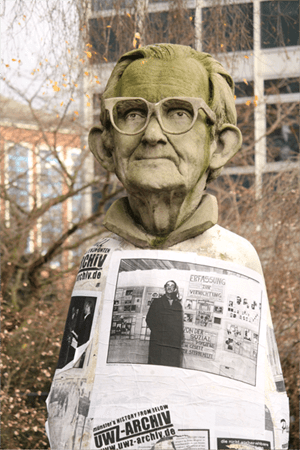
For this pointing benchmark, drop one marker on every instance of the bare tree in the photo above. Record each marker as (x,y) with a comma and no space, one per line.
(47,216)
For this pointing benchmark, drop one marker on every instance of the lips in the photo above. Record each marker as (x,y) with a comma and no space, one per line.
(155,153)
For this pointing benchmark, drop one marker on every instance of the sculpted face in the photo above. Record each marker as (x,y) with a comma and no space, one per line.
(153,159)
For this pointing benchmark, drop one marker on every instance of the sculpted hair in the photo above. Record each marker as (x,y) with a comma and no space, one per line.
(221,85)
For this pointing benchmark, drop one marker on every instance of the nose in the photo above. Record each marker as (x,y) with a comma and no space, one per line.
(153,133)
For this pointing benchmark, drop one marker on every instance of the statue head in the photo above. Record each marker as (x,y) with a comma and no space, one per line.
(163,71)
(167,128)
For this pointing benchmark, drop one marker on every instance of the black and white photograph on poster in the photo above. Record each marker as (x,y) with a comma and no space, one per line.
(77,332)
(242,444)
(183,314)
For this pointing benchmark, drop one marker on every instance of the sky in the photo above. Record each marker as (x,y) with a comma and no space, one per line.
(37,60)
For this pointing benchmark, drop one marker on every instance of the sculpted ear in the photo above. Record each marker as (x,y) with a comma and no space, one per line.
(100,144)
(228,142)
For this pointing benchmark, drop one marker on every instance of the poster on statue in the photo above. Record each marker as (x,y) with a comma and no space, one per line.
(213,324)
(178,335)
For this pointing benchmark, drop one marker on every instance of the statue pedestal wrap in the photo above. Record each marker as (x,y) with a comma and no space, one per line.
(229,387)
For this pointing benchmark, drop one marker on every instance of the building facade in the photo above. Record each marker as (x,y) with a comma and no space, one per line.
(34,163)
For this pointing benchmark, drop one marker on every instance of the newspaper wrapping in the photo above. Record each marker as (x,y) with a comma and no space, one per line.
(167,350)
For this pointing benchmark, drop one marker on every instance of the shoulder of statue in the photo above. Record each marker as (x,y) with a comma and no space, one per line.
(237,248)
(219,243)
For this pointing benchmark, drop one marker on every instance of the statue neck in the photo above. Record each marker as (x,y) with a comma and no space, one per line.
(161,212)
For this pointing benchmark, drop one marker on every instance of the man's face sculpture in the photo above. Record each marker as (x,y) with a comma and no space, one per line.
(164,145)
(167,153)
(162,139)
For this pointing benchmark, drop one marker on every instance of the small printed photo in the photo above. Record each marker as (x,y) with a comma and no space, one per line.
(229,344)
(121,326)
(188,304)
(188,317)
(247,335)
(77,330)
(234,330)
(218,309)
(238,300)
(204,320)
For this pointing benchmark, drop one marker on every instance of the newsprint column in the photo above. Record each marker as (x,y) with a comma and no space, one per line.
(169,342)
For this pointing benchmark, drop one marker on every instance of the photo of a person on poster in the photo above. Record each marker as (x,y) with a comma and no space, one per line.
(71,335)
(86,324)
(77,330)
(165,320)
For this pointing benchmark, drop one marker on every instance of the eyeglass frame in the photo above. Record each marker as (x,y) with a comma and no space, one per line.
(197,103)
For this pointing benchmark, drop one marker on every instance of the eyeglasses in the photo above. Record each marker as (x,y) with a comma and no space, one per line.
(175,115)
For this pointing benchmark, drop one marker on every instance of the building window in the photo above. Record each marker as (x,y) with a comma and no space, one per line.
(110,37)
(175,26)
(18,171)
(230,189)
(51,186)
(244,89)
(282,132)
(227,28)
(157,27)
(96,108)
(281,86)
(96,102)
(279,181)
(245,122)
(279,23)
(102,5)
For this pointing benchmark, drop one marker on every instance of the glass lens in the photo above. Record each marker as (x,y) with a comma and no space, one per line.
(130,115)
(177,115)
